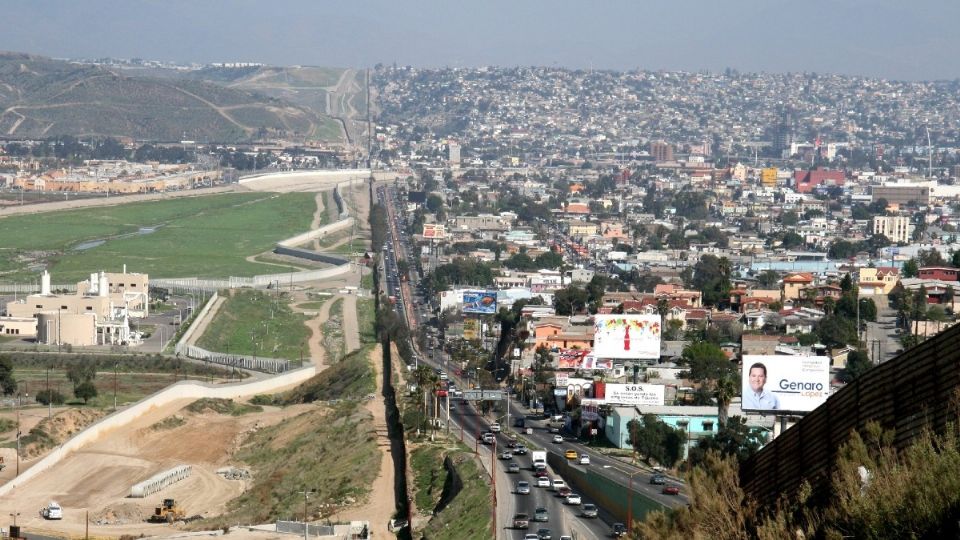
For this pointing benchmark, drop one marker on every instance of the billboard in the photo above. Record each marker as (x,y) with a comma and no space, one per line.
(581,359)
(626,336)
(433,230)
(484,302)
(785,383)
(634,394)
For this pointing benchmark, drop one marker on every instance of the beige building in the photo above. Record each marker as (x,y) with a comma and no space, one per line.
(98,314)
(879,280)
(895,228)
(581,228)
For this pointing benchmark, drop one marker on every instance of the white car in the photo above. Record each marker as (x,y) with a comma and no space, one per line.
(52,511)
(573,499)
(557,484)
(557,439)
(495,427)
(543,481)
(584,459)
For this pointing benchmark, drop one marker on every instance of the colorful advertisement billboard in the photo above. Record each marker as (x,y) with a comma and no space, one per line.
(484,302)
(785,383)
(581,359)
(634,394)
(626,336)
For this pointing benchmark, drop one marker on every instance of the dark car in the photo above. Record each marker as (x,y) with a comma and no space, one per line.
(521,521)
(671,490)
(619,530)
(544,534)
(658,479)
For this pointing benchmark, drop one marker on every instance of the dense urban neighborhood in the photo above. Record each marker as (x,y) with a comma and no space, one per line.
(602,296)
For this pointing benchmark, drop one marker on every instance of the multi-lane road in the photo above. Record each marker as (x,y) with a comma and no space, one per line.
(464,418)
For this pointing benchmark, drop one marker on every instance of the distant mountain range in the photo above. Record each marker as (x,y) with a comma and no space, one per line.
(42,97)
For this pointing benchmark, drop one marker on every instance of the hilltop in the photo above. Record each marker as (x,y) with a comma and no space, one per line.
(43,97)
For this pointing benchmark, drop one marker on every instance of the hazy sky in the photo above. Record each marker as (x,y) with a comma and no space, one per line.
(900,39)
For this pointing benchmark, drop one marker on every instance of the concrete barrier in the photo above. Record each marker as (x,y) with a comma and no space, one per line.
(181,390)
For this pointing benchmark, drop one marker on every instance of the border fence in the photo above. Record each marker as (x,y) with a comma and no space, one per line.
(908,394)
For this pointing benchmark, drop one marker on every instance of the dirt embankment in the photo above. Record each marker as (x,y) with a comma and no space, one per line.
(54,431)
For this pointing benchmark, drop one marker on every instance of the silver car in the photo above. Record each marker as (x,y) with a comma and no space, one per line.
(523,488)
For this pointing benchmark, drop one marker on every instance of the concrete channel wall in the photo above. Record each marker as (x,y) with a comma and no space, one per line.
(182,390)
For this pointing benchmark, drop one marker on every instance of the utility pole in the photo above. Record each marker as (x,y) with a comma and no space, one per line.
(49,400)
(115,366)
(306,493)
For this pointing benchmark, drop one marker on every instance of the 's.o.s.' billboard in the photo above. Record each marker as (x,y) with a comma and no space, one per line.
(626,336)
(634,394)
(785,383)
(480,302)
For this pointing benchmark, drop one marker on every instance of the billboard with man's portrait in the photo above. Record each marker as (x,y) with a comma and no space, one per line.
(784,383)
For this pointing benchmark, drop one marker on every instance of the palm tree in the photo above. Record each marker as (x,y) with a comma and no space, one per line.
(725,391)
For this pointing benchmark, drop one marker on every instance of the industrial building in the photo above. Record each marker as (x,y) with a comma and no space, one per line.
(98,314)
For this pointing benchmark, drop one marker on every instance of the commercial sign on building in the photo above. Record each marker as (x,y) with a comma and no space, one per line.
(785,383)
(434,231)
(634,394)
(581,359)
(471,329)
(626,336)
(484,302)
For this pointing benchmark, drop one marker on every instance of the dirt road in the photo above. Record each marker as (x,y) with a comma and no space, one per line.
(381,506)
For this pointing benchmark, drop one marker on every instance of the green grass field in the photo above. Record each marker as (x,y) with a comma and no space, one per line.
(366,320)
(257,323)
(206,236)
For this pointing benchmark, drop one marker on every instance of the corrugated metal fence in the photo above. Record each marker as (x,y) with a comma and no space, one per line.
(909,393)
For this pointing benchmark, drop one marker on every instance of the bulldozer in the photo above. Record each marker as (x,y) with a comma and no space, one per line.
(168,512)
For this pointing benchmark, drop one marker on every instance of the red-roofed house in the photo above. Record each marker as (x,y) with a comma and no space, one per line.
(793,285)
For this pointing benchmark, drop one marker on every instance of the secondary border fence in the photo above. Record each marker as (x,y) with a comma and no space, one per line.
(911,393)
(255,363)
(355,530)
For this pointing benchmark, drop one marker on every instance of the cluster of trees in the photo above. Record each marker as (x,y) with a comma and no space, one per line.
(656,441)
(928,257)
(378,227)
(711,275)
(243,161)
(575,299)
(8,383)
(845,249)
(461,271)
(524,263)
(838,327)
(74,150)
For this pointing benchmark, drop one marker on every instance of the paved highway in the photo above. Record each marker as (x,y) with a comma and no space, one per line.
(564,519)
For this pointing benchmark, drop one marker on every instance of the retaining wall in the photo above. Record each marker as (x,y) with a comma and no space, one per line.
(608,493)
(181,390)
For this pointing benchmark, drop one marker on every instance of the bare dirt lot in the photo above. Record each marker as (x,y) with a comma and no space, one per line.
(98,478)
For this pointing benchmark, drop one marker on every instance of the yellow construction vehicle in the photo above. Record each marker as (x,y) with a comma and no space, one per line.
(168,512)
